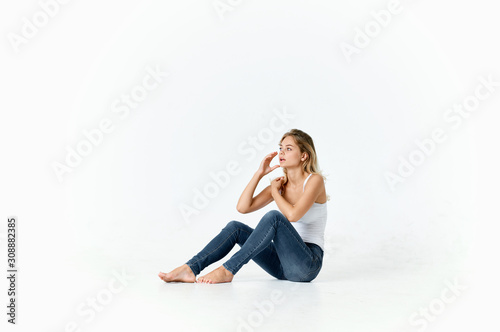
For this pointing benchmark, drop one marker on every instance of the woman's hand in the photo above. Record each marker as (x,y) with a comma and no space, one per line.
(264,167)
(277,183)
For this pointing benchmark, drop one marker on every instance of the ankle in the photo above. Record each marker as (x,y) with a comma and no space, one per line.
(226,271)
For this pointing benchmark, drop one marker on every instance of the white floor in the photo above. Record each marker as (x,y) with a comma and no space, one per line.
(352,293)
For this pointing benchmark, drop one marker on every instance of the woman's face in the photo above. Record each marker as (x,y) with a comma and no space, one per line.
(289,154)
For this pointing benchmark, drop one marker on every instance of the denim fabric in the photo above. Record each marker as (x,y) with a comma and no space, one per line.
(274,245)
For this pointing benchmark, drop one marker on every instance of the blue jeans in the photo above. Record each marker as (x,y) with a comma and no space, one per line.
(274,245)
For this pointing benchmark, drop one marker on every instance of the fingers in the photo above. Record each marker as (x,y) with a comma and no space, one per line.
(272,154)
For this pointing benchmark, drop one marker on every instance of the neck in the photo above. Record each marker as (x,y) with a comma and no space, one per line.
(296,177)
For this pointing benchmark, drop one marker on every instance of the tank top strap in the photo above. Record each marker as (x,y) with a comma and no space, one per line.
(304,186)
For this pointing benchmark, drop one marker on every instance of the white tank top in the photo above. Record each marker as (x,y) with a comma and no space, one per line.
(311,227)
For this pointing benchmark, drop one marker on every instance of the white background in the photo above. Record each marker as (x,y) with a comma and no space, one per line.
(227,78)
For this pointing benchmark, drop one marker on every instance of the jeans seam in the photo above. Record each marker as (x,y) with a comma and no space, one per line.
(302,244)
(281,274)
(224,264)
(215,248)
(230,270)
(253,249)
(319,267)
(245,231)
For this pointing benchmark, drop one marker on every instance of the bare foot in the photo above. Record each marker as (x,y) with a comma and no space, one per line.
(181,274)
(219,275)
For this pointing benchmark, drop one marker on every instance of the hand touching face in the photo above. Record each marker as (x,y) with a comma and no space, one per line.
(264,165)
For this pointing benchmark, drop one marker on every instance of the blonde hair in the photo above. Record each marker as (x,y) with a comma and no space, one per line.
(305,144)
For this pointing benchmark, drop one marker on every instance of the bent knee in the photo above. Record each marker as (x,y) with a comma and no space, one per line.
(273,213)
(234,224)
(273,216)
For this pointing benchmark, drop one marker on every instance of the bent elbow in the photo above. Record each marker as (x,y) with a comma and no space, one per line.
(240,210)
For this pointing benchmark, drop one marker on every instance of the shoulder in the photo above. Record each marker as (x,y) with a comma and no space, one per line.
(315,180)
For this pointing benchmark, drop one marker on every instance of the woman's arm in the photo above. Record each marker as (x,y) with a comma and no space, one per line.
(247,203)
(285,207)
(295,212)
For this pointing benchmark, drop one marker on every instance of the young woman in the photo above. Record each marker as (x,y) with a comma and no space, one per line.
(289,243)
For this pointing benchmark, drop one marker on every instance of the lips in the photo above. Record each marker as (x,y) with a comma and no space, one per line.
(281,159)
